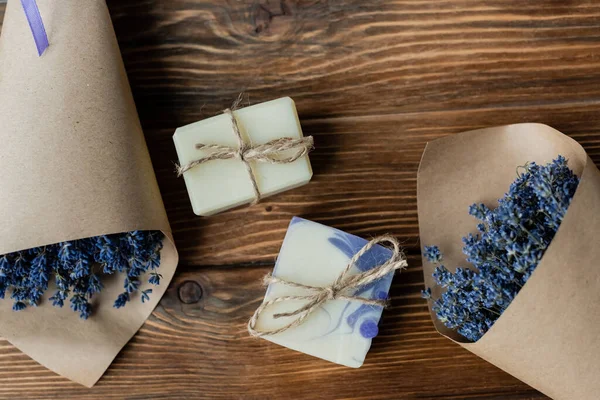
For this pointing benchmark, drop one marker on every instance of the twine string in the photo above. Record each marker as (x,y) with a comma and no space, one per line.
(274,152)
(339,290)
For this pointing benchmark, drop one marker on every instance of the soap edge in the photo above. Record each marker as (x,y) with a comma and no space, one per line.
(187,189)
(242,109)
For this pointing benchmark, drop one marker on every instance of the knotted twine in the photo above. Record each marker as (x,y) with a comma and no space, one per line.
(338,290)
(271,152)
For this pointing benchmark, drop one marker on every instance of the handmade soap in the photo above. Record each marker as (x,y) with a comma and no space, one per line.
(218,185)
(340,330)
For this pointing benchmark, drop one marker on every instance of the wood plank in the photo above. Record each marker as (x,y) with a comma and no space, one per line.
(355,57)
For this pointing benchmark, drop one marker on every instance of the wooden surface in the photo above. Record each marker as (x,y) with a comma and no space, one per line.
(373,82)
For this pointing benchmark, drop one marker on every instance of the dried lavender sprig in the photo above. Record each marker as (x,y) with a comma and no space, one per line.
(511,241)
(77,267)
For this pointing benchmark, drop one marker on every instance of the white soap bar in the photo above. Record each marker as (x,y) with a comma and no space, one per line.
(219,185)
(340,331)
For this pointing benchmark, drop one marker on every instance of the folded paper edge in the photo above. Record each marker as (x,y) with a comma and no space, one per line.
(91,379)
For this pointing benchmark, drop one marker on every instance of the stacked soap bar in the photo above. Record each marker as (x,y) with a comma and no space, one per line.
(340,331)
(219,185)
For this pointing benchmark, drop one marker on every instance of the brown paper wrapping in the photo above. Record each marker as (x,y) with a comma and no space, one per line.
(549,337)
(74,164)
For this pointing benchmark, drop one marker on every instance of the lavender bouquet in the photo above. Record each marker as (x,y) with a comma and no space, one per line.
(510,243)
(77,266)
(522,287)
(83,221)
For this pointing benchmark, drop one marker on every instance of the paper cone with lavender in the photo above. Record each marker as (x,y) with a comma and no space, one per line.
(86,250)
(509,220)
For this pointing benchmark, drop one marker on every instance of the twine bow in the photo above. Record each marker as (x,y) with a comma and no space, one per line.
(339,290)
(272,152)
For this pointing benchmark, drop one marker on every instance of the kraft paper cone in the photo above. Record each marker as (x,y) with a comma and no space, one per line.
(74,164)
(549,337)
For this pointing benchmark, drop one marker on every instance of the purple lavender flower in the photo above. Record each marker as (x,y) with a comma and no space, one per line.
(75,267)
(511,241)
(433,254)
(155,278)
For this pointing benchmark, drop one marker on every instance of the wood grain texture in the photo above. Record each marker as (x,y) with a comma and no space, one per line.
(373,82)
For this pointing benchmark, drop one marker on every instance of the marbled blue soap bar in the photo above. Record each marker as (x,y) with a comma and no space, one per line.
(340,330)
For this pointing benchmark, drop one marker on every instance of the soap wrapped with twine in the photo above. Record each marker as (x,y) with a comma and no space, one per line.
(340,289)
(284,150)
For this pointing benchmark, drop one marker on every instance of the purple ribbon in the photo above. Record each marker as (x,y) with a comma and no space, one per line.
(36,24)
